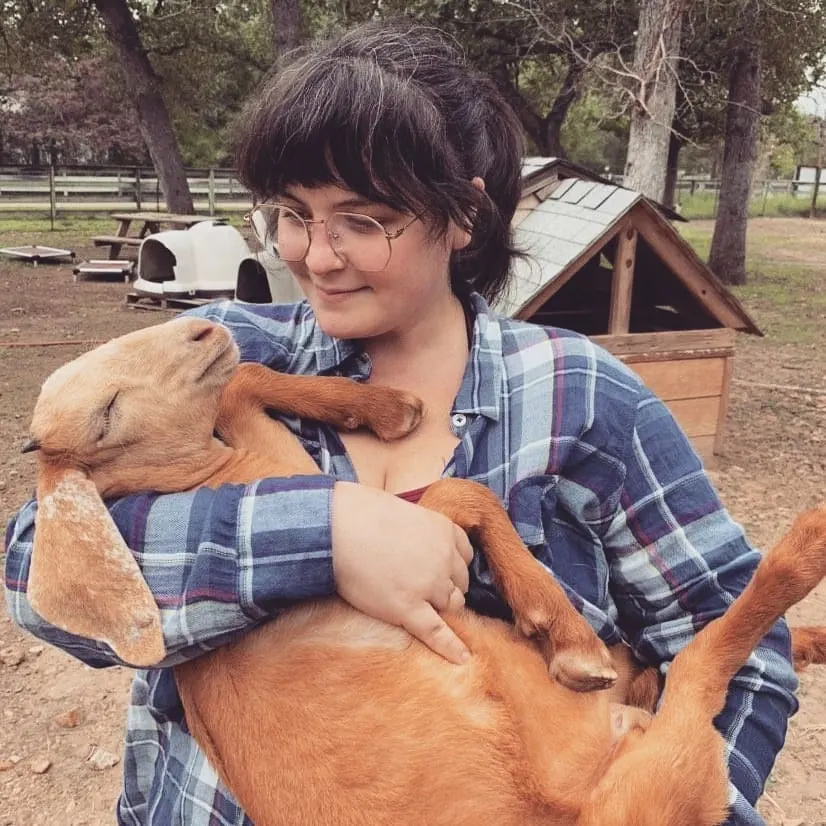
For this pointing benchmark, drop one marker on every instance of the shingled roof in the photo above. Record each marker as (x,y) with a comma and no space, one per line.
(564,225)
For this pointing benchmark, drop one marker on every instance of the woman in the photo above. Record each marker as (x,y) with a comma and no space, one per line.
(388,173)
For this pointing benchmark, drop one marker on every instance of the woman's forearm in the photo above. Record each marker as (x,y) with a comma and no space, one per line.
(216,561)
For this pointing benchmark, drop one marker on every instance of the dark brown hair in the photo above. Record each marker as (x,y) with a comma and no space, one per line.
(392,111)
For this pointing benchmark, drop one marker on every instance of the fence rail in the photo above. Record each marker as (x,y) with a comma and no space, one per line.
(89,190)
(93,189)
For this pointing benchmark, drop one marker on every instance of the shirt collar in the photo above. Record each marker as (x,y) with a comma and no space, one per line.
(481,389)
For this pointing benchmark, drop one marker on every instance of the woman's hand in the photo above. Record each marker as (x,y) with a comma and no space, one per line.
(400,563)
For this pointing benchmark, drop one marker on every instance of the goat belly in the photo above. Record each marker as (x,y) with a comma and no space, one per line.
(327,716)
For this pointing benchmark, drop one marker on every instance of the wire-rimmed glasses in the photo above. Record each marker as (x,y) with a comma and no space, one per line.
(359,239)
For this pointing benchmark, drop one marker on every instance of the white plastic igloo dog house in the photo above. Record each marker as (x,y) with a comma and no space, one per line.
(200,261)
(265,279)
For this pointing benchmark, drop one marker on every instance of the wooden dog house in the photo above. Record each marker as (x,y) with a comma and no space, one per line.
(606,262)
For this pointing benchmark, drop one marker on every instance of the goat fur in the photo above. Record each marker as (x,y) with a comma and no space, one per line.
(325,715)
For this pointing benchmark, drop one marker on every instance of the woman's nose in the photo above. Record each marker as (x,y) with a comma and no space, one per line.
(321,257)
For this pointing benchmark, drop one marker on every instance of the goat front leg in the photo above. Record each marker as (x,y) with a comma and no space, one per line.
(344,403)
(675,772)
(576,657)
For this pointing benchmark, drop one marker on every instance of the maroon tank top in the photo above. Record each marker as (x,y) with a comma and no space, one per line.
(413,495)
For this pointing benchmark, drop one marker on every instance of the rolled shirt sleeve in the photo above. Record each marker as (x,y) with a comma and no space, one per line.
(217,561)
(678,561)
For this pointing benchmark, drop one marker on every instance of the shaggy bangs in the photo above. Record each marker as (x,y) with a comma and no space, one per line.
(350,123)
(392,112)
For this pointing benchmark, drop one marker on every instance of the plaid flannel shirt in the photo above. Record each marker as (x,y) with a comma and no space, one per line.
(597,478)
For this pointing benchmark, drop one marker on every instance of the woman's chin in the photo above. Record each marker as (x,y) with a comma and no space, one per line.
(347,325)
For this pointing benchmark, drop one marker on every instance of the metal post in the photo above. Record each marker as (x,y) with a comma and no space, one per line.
(52,196)
(138,193)
(212,190)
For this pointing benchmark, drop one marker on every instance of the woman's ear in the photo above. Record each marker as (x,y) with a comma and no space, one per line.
(461,237)
(83,578)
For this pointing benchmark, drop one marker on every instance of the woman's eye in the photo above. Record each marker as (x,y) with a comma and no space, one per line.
(360,223)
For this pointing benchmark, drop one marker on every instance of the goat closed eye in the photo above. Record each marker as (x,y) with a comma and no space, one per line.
(106,417)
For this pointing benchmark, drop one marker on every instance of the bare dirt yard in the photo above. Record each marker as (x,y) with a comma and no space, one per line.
(61,722)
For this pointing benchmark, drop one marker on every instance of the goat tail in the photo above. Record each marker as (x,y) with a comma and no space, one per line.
(808,646)
(702,671)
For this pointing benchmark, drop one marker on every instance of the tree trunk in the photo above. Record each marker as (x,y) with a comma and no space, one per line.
(555,119)
(144,88)
(672,169)
(287,21)
(655,67)
(728,244)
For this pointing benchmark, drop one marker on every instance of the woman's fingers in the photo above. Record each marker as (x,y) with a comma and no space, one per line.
(456,601)
(400,563)
(426,625)
(461,559)
(463,545)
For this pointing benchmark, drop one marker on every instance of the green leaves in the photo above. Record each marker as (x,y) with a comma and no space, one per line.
(562,59)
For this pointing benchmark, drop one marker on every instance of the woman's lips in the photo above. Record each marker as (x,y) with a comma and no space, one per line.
(338,294)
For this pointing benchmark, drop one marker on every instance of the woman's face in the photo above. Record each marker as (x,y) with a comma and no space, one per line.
(351,303)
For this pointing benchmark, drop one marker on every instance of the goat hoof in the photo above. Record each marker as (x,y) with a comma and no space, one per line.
(581,672)
(402,415)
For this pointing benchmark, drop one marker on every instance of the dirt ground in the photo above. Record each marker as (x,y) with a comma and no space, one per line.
(61,722)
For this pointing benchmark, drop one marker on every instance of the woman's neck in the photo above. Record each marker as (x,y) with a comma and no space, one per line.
(436,343)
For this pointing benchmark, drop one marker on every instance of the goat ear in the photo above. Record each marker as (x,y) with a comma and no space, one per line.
(83,577)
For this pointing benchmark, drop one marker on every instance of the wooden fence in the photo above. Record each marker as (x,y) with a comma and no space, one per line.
(102,189)
(93,189)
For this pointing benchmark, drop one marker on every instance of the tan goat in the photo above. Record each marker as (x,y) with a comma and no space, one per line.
(327,716)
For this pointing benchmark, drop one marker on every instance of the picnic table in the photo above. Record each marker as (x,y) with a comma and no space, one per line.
(146,223)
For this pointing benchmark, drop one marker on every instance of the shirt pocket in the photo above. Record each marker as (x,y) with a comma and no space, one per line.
(530,503)
(545,519)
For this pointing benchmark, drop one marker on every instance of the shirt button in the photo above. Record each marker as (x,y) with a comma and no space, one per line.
(458,419)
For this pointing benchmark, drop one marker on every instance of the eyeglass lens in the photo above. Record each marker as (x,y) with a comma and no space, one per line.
(360,239)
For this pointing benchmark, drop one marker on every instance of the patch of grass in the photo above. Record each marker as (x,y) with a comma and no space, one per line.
(699,238)
(704,205)
(82,223)
(787,299)
(39,223)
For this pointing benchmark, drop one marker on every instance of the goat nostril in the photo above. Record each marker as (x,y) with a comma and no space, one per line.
(203,333)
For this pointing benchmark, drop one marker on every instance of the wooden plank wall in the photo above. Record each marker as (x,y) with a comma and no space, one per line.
(690,371)
(696,392)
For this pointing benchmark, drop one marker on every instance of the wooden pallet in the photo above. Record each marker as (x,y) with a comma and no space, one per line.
(139,301)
